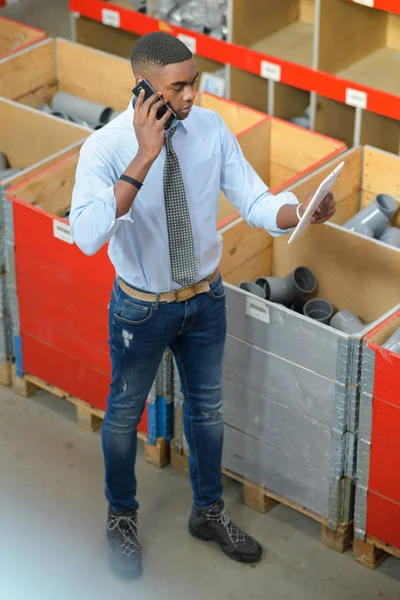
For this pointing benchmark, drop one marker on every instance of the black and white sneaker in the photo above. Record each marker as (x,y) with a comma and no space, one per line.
(215,524)
(124,551)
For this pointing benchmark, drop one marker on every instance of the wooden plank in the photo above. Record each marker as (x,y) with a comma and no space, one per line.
(255,143)
(19,124)
(297,148)
(26,71)
(348,32)
(52,190)
(345,209)
(307,11)
(349,271)
(279,174)
(289,101)
(339,540)
(249,89)
(293,43)
(380,172)
(367,553)
(335,119)
(253,21)
(6,373)
(380,131)
(238,118)
(257,265)
(42,95)
(101,77)
(240,244)
(393,31)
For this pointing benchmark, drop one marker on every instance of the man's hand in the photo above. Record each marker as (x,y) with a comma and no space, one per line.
(149,131)
(325,210)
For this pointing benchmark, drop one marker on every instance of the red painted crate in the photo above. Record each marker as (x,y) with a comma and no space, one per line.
(378,465)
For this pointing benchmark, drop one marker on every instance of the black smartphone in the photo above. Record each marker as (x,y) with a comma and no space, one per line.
(149,91)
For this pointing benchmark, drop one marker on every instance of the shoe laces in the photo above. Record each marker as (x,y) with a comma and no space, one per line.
(127,527)
(235,534)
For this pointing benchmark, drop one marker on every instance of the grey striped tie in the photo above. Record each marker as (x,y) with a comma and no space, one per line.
(181,247)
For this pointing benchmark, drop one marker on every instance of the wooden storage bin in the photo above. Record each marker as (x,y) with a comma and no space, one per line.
(335,119)
(360,44)
(367,172)
(280,152)
(62,294)
(35,75)
(283,30)
(283,368)
(16,36)
(30,141)
(377,509)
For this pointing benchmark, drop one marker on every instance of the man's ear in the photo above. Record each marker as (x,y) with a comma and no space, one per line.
(139,79)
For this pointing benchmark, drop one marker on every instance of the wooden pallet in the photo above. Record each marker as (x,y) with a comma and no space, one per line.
(88,417)
(6,373)
(371,551)
(259,498)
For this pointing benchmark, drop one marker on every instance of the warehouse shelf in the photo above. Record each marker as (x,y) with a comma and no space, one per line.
(263,63)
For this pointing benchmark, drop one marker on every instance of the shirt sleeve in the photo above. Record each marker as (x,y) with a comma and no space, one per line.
(93,209)
(245,189)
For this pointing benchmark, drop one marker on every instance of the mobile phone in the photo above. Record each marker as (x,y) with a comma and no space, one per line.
(149,91)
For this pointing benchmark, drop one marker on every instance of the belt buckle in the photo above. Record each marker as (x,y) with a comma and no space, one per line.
(185,293)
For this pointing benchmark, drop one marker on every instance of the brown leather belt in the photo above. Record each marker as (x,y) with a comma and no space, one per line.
(176,296)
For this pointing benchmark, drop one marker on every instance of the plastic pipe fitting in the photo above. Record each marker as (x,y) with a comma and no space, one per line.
(346,321)
(7,173)
(391,236)
(393,343)
(301,122)
(319,310)
(253,288)
(298,306)
(286,290)
(375,216)
(80,110)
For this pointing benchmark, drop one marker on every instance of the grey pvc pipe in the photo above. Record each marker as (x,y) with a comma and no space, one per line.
(391,236)
(3,162)
(347,321)
(393,343)
(253,288)
(319,310)
(287,289)
(298,306)
(80,110)
(375,216)
(301,121)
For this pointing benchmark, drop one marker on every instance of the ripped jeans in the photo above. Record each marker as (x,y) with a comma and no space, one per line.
(140,332)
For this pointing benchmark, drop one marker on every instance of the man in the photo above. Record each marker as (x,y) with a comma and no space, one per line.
(160,219)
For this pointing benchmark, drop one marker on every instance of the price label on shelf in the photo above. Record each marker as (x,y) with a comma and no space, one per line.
(369,3)
(110,17)
(189,41)
(62,231)
(257,310)
(356,98)
(270,70)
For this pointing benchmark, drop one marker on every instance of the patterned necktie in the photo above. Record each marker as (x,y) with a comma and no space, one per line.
(181,247)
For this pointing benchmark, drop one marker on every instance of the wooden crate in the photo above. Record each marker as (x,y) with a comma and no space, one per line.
(292,384)
(36,74)
(16,36)
(279,30)
(377,508)
(367,172)
(30,141)
(280,152)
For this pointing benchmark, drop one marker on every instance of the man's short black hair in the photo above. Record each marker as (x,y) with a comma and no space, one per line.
(157,50)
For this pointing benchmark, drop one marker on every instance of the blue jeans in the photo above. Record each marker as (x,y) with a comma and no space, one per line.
(140,332)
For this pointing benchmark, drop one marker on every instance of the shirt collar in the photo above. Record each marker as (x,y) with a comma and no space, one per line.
(130,110)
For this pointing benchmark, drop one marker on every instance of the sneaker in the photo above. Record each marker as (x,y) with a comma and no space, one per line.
(124,551)
(215,524)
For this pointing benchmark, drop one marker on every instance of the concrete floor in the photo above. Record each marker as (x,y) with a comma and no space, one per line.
(52,508)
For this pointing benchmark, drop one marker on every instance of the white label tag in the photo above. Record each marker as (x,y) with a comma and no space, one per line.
(365,2)
(356,98)
(189,41)
(62,231)
(270,70)
(257,310)
(110,17)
